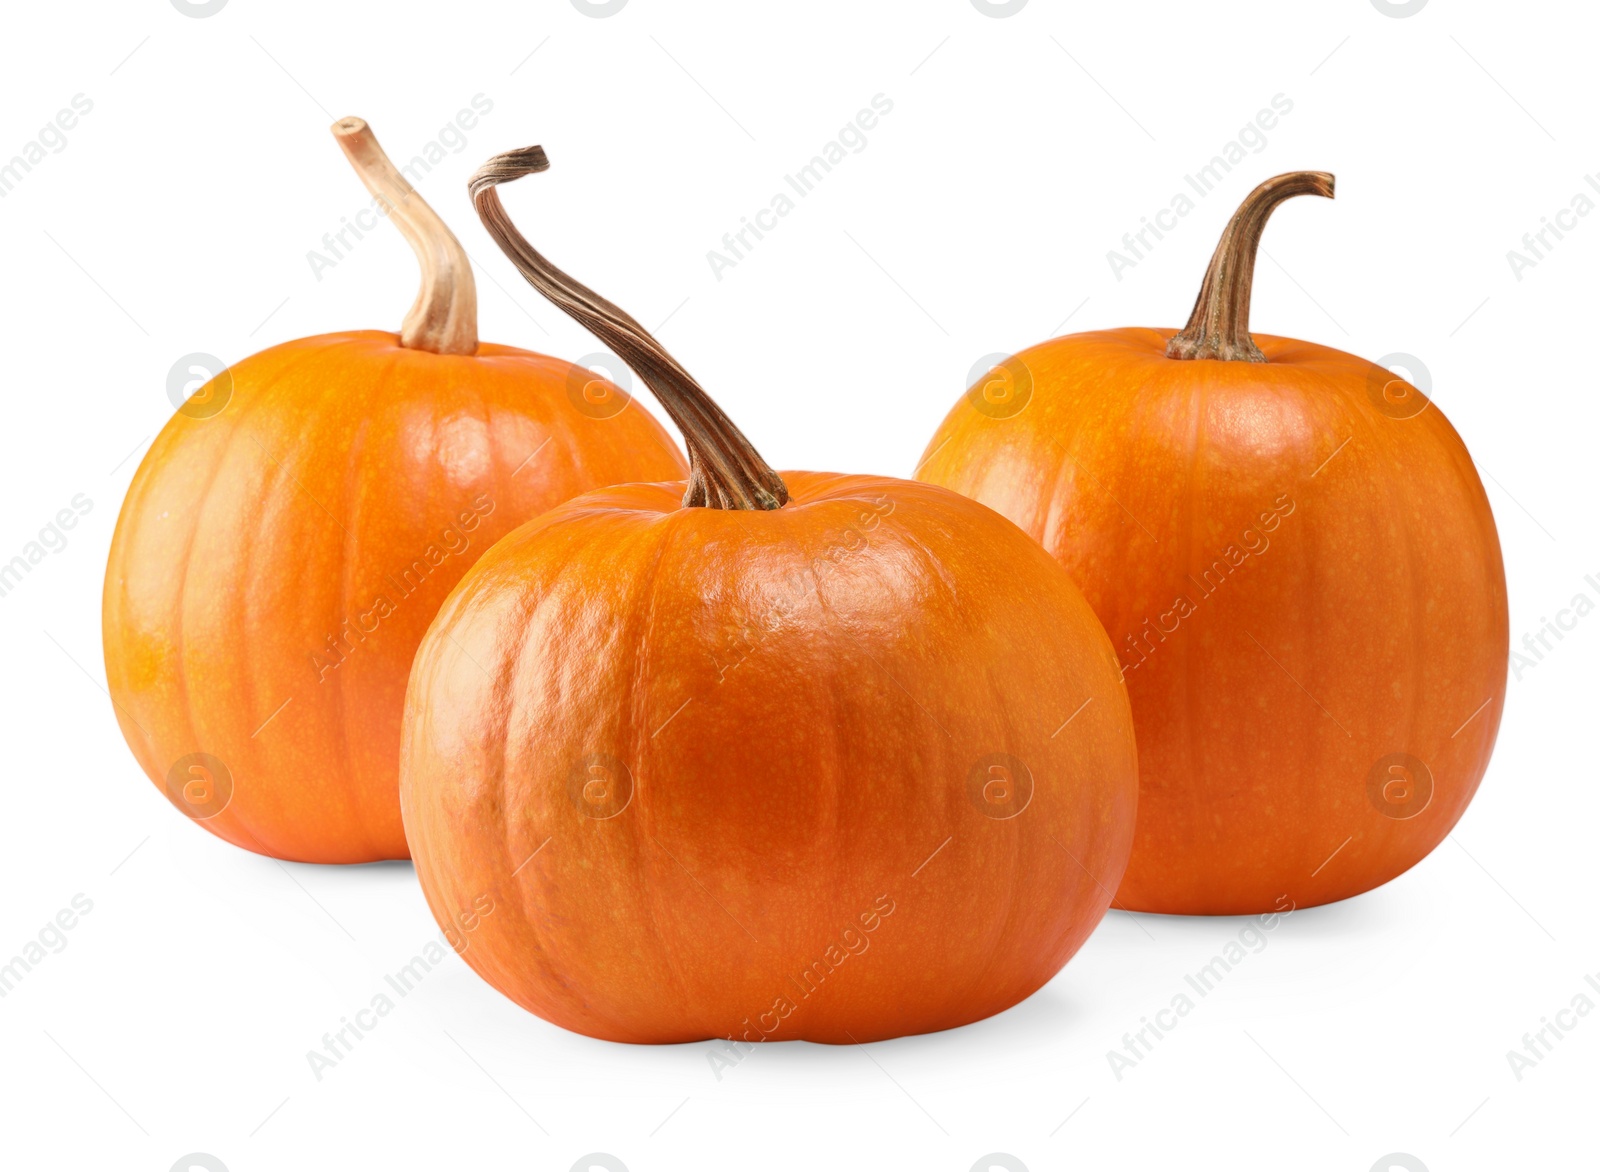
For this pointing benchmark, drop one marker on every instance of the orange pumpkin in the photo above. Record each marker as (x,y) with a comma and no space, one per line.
(295,526)
(1298,566)
(756,757)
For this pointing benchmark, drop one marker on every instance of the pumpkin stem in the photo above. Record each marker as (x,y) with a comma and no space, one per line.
(725,470)
(444,317)
(1219,327)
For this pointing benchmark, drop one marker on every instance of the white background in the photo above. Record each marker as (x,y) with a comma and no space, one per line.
(178,218)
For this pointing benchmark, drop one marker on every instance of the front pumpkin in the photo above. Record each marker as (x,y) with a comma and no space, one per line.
(295,527)
(700,761)
(1299,569)
(825,757)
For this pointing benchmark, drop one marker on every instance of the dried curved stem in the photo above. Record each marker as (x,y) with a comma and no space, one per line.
(444,317)
(1219,327)
(725,470)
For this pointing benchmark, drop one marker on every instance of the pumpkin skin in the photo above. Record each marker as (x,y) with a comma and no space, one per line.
(1314,534)
(254,547)
(666,767)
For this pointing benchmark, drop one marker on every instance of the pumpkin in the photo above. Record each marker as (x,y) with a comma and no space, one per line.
(293,529)
(760,757)
(1296,561)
